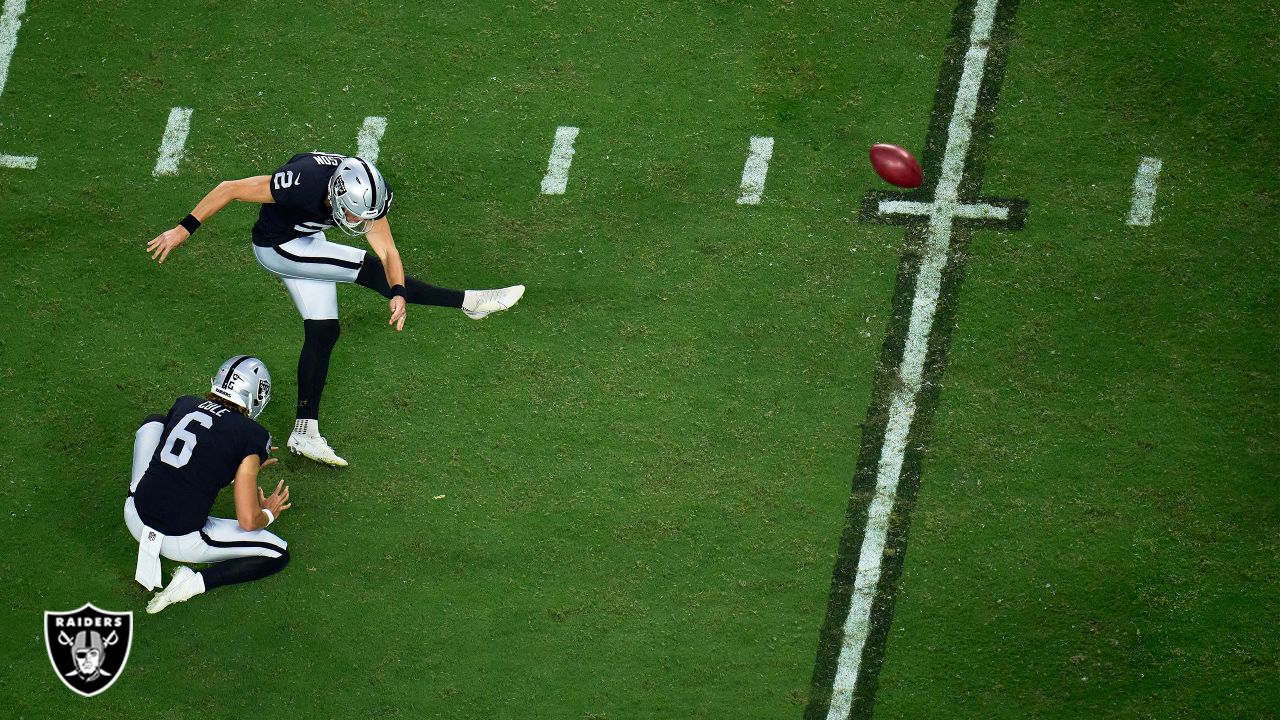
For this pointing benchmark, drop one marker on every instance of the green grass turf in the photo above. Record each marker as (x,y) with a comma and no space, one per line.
(646,464)
(1096,533)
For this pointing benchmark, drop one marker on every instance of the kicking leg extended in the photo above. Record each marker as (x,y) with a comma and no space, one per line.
(476,304)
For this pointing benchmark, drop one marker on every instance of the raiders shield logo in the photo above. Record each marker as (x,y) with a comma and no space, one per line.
(88,647)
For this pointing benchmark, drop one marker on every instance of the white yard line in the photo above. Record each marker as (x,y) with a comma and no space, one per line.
(557,177)
(1144,192)
(174,142)
(20,162)
(370,137)
(902,407)
(9,23)
(755,170)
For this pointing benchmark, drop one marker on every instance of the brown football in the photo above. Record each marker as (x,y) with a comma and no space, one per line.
(896,165)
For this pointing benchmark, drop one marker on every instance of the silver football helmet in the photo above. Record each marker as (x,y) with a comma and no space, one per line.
(357,188)
(244,380)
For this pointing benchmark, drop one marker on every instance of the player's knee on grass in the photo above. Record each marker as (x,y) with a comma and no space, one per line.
(246,569)
(153,417)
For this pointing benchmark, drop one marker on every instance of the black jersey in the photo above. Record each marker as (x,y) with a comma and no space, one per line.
(300,189)
(203,444)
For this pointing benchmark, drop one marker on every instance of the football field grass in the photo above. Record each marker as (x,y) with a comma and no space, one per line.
(626,496)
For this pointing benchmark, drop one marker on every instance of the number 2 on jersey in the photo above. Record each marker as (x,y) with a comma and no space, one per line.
(188,438)
(286,178)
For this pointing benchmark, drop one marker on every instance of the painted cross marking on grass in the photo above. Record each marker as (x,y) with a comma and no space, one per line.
(940,217)
(10,21)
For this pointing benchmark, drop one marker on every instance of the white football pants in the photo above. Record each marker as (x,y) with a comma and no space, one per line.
(310,267)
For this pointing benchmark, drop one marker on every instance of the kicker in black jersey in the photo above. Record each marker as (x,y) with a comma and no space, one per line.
(300,189)
(203,444)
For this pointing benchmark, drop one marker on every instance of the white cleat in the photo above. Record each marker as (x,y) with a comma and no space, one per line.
(315,447)
(478,304)
(186,584)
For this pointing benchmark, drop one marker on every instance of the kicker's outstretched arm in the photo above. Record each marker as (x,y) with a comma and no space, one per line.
(255,189)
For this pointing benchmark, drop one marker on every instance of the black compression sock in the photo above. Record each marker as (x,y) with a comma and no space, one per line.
(373,276)
(319,337)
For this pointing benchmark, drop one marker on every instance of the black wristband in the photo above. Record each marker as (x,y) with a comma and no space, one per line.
(190,223)
(397,291)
